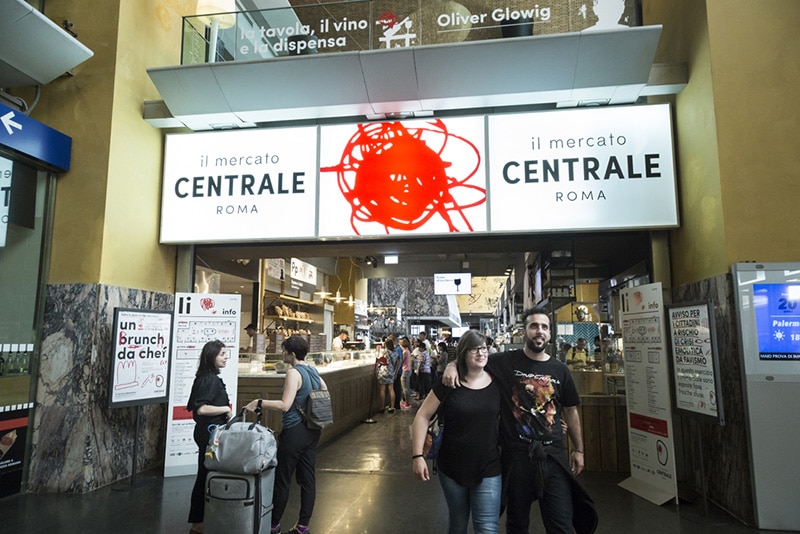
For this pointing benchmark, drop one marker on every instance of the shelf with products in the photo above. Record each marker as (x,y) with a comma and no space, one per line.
(284,315)
(559,278)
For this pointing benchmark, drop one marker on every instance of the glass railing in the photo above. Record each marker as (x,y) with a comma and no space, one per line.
(379,24)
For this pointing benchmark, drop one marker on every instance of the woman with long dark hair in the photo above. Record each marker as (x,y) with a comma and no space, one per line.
(469,458)
(210,406)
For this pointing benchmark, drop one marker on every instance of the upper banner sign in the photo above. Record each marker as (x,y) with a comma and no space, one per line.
(588,169)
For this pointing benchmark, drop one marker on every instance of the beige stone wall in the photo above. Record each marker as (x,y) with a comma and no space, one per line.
(736,131)
(108,206)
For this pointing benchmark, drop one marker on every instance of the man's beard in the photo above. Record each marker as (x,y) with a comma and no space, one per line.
(531,344)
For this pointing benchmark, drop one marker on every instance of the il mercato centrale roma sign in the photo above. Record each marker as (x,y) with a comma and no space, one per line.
(571,170)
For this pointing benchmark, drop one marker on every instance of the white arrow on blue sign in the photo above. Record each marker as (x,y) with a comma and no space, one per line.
(27,136)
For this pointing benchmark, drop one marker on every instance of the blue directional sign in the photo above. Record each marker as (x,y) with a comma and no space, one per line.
(30,137)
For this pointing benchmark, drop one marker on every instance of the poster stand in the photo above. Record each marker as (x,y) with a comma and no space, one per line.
(139,371)
(369,420)
(134,483)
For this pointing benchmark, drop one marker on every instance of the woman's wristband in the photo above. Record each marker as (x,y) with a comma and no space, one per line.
(579,452)
(417,456)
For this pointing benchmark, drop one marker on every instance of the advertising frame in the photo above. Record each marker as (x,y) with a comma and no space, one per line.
(118,372)
(683,385)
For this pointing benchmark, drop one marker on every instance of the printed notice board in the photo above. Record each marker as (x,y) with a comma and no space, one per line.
(140,357)
(199,318)
(694,363)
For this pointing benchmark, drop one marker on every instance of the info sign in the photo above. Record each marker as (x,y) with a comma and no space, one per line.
(650,436)
(694,362)
(140,357)
(199,318)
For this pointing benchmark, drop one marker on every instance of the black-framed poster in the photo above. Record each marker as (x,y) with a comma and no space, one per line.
(694,362)
(140,357)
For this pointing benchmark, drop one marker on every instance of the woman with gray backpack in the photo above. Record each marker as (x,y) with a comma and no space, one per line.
(297,443)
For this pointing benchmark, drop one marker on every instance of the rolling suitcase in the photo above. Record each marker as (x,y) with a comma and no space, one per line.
(239,504)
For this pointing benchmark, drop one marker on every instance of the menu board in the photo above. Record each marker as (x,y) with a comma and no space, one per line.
(650,436)
(777,321)
(140,357)
(694,362)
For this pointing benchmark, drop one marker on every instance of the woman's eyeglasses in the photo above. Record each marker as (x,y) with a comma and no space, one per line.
(476,350)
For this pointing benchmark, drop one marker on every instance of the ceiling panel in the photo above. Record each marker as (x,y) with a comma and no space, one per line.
(33,49)
(559,70)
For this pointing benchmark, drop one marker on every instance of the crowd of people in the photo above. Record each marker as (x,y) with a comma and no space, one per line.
(507,417)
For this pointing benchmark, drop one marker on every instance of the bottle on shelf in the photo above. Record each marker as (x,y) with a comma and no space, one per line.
(11,361)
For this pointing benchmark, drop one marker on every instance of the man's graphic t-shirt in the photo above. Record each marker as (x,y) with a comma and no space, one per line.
(533,394)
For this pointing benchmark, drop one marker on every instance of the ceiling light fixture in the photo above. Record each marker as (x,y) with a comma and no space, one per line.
(391,259)
(221,12)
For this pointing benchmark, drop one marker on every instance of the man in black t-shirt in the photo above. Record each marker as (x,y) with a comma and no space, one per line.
(537,392)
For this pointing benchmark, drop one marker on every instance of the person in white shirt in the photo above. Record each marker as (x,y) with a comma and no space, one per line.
(338,342)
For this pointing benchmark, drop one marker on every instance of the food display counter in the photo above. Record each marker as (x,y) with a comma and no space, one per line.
(350,376)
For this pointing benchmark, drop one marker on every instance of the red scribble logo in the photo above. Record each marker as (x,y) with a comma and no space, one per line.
(398,177)
(206,304)
(388,19)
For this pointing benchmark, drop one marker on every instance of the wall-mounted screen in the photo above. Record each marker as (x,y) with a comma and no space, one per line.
(777,320)
(452,284)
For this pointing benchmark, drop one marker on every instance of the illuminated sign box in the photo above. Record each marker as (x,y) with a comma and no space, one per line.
(607,168)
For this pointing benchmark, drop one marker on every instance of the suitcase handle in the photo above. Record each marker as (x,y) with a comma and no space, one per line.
(242,416)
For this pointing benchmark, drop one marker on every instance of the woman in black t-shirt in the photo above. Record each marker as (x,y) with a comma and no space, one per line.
(210,406)
(469,459)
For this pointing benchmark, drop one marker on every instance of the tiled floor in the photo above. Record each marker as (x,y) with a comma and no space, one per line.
(364,485)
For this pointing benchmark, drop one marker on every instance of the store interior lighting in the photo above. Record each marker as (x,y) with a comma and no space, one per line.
(391,259)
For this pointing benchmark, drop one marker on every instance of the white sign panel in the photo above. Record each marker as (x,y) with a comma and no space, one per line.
(5,197)
(303,275)
(695,369)
(239,186)
(651,441)
(140,357)
(199,318)
(582,169)
(420,177)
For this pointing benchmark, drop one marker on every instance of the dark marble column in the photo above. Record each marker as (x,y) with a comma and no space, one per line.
(726,455)
(79,443)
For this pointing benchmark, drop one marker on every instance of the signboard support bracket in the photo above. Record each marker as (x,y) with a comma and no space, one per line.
(122,486)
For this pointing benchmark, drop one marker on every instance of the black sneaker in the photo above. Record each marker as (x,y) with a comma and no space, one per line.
(295,531)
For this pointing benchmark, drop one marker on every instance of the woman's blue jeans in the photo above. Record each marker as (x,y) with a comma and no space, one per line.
(405,379)
(483,501)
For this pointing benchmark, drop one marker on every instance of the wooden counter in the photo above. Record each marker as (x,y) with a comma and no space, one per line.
(352,386)
(605,433)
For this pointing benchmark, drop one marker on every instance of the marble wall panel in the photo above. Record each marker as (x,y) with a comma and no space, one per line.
(79,443)
(725,451)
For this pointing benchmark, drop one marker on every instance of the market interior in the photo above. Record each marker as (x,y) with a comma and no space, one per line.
(601,261)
